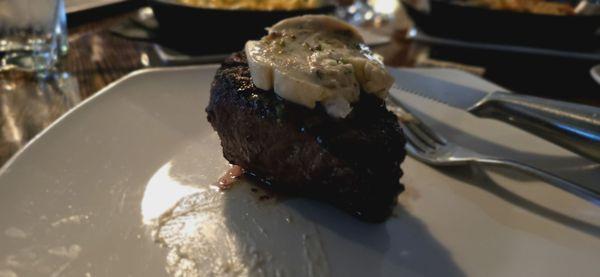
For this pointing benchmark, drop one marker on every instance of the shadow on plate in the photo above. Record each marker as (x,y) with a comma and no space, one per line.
(248,231)
(403,243)
(572,167)
(477,177)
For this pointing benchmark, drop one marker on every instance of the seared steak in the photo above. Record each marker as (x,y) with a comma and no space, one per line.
(353,163)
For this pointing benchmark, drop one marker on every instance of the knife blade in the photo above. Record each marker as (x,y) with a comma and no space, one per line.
(573,126)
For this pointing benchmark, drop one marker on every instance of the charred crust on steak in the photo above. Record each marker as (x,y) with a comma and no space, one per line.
(353,162)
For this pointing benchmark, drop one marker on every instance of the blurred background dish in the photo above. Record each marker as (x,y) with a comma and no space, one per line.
(536,24)
(527,6)
(198,29)
(263,5)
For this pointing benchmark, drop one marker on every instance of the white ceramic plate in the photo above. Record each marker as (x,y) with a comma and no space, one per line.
(84,199)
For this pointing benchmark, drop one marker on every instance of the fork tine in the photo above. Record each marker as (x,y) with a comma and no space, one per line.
(420,130)
(417,130)
(415,140)
(430,133)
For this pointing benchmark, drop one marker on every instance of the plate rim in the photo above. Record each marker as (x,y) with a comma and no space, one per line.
(5,168)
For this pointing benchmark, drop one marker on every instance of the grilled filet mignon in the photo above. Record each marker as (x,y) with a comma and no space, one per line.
(353,163)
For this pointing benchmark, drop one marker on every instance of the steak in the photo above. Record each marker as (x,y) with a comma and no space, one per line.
(353,163)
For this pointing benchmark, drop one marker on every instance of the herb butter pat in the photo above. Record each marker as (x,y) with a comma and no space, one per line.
(317,58)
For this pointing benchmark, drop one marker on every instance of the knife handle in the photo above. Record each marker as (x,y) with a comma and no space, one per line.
(572,126)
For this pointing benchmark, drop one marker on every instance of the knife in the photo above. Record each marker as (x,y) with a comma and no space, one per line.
(573,126)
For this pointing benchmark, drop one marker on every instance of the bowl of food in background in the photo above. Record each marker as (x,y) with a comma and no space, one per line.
(222,26)
(534,23)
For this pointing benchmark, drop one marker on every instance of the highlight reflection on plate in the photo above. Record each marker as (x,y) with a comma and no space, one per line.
(162,193)
(209,232)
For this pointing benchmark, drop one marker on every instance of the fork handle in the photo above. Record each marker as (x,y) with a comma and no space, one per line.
(581,191)
(572,126)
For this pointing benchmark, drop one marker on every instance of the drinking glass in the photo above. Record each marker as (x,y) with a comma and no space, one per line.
(33,34)
(364,11)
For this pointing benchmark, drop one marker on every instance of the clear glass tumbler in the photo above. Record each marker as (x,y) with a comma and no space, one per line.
(33,34)
(365,11)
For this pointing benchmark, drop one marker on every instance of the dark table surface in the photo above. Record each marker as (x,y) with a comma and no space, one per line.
(97,57)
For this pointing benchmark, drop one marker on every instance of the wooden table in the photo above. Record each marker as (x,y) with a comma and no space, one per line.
(28,104)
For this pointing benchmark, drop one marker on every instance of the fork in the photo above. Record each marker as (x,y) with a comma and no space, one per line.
(431,148)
